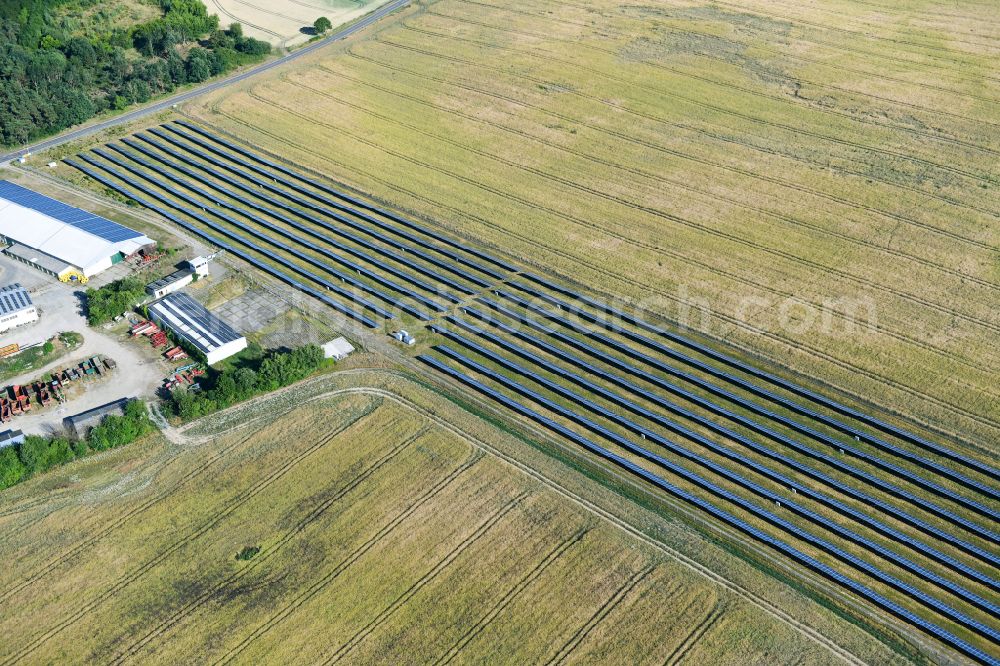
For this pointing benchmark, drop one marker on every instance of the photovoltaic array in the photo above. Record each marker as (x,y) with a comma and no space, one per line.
(896,519)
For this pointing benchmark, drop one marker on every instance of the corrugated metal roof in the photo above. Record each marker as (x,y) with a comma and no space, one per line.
(189,319)
(14,298)
(168,280)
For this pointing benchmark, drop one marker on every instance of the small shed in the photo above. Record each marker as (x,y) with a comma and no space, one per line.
(80,424)
(338,348)
(173,282)
(10,438)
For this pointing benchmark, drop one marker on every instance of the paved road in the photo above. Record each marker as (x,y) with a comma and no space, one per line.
(215,85)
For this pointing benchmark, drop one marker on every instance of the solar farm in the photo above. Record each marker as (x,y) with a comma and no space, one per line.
(533,200)
(902,522)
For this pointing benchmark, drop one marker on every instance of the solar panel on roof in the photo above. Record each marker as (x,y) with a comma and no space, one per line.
(75,217)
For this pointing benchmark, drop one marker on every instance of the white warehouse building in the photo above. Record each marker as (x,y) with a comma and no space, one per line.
(61,240)
(189,320)
(16,307)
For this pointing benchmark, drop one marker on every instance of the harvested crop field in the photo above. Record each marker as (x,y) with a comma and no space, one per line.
(288,23)
(828,198)
(380,531)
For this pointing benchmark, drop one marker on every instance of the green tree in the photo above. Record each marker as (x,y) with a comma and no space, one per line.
(321,25)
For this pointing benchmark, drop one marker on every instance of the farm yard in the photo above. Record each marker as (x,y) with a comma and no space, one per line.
(378,529)
(736,263)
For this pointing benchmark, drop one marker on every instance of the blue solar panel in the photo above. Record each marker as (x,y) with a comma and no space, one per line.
(81,219)
(898,471)
(235,251)
(792,443)
(778,544)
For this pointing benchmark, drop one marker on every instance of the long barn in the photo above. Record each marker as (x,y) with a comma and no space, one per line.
(61,240)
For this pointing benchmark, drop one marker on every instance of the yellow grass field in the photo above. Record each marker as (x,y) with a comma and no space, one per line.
(385,534)
(826,192)
(282,23)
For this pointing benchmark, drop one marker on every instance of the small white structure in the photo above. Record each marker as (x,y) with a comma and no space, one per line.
(173,282)
(404,337)
(189,320)
(337,349)
(199,265)
(16,307)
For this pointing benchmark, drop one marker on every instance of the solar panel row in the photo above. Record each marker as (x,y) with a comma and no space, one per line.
(919,502)
(360,300)
(272,241)
(593,408)
(617,380)
(81,219)
(235,251)
(913,477)
(781,546)
(354,200)
(932,447)
(757,390)
(453,256)
(271,187)
(275,213)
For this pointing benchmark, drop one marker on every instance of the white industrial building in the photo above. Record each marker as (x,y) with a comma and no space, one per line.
(16,307)
(171,283)
(66,242)
(189,320)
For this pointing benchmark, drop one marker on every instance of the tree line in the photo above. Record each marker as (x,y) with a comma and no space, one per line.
(113,299)
(265,373)
(38,454)
(52,76)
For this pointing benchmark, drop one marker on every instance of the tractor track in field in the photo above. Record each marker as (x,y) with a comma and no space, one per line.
(668,181)
(346,563)
(678,256)
(481,530)
(174,620)
(954,74)
(222,10)
(682,31)
(549,57)
(682,650)
(599,615)
(972,319)
(75,550)
(480,625)
(164,553)
(864,36)
(758,602)
(783,100)
(764,49)
(659,147)
(648,287)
